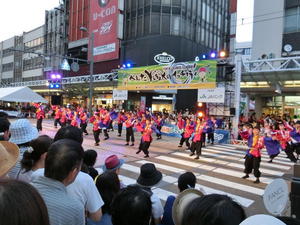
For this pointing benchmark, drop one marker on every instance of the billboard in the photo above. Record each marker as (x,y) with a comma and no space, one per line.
(104,16)
(215,95)
(185,75)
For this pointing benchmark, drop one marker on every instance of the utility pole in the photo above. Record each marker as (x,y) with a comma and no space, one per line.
(238,74)
(92,36)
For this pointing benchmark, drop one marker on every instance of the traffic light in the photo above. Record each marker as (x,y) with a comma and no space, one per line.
(55,81)
(201,109)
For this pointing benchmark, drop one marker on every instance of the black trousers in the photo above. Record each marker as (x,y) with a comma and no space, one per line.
(273,156)
(111,125)
(186,140)
(210,137)
(120,127)
(203,139)
(289,151)
(158,134)
(144,146)
(57,121)
(105,131)
(96,136)
(296,148)
(252,163)
(129,134)
(196,147)
(39,124)
(83,127)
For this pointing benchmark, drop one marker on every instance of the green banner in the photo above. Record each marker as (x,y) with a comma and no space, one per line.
(185,75)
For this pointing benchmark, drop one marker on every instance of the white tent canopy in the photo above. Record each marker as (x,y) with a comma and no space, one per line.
(20,94)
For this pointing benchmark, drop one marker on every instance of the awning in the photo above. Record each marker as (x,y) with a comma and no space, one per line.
(20,94)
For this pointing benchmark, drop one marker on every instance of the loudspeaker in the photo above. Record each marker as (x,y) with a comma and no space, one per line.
(232,111)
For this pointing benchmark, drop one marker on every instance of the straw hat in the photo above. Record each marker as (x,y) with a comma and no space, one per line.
(182,201)
(9,154)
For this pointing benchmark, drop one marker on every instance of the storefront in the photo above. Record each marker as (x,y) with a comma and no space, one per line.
(280,105)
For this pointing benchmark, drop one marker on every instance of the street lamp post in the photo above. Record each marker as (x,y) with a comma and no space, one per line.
(91,42)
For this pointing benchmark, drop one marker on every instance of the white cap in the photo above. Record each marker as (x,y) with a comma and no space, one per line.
(262,219)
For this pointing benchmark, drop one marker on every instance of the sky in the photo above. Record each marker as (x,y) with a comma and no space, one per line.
(17,16)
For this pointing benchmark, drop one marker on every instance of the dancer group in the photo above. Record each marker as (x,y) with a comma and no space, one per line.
(274,137)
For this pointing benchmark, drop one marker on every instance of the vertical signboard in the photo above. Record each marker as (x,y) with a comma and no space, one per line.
(104,24)
(143,104)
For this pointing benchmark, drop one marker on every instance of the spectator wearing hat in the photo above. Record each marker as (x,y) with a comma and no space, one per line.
(212,209)
(131,206)
(21,204)
(9,155)
(149,177)
(4,129)
(263,219)
(108,185)
(83,188)
(185,181)
(62,164)
(22,132)
(113,164)
(34,158)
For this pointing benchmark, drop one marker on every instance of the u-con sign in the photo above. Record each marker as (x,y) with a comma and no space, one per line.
(164,58)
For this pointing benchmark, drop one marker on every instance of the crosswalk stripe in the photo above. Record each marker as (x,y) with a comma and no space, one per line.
(241,200)
(278,159)
(162,194)
(226,183)
(236,165)
(161,166)
(228,172)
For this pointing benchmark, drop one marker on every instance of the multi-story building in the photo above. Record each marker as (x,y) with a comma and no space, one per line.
(276,33)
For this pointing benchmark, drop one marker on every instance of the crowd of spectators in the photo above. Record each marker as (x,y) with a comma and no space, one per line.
(53,181)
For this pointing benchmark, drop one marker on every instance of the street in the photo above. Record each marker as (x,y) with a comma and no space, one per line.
(219,169)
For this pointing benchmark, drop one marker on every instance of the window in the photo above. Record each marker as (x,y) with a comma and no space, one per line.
(7,67)
(33,63)
(166,24)
(155,23)
(292,23)
(7,52)
(175,30)
(147,24)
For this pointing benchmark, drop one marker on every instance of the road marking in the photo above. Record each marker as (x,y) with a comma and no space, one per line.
(164,167)
(233,185)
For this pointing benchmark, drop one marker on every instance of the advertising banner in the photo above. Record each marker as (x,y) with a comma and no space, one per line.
(104,24)
(120,94)
(143,104)
(185,75)
(215,95)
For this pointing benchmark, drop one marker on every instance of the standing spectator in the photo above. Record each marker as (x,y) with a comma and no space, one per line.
(22,132)
(89,159)
(213,210)
(185,181)
(21,204)
(131,206)
(62,164)
(148,178)
(9,154)
(34,157)
(108,185)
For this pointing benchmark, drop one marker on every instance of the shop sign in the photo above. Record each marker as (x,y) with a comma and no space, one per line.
(164,58)
(184,75)
(120,94)
(215,95)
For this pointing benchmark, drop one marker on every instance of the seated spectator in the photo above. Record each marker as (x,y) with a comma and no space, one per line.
(262,219)
(62,164)
(185,181)
(34,157)
(83,188)
(9,155)
(213,209)
(113,164)
(4,129)
(21,204)
(108,185)
(69,132)
(149,177)
(131,206)
(22,132)
(89,159)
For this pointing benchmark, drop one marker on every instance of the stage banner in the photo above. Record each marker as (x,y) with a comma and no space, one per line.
(185,75)
(104,24)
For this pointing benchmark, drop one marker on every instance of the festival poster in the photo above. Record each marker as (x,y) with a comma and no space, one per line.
(185,75)
(104,25)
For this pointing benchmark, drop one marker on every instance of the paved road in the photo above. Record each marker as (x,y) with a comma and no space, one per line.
(219,170)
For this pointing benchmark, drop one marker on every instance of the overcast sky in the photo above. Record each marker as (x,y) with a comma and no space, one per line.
(17,16)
